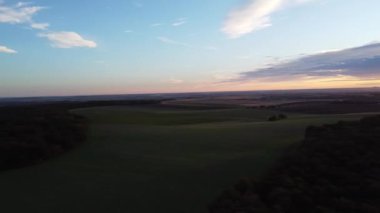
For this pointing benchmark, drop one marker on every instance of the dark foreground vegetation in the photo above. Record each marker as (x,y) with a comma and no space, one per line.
(336,169)
(30,134)
(277,117)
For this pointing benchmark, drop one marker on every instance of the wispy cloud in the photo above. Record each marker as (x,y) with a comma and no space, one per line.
(4,49)
(67,40)
(360,62)
(175,81)
(40,26)
(176,23)
(172,42)
(156,25)
(253,16)
(21,13)
(179,22)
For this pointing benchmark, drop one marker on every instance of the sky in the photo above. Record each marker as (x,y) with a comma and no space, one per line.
(54,48)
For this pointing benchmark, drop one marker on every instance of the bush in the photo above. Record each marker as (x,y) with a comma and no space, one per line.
(277,117)
(282,116)
(273,118)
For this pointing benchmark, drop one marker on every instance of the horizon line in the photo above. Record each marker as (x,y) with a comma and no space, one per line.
(178,93)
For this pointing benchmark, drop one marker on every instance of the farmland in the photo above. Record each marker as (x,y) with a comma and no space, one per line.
(148,159)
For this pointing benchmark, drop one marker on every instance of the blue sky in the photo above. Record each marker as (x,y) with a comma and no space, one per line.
(144,46)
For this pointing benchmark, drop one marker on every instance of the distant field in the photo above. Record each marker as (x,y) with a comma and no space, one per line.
(154,160)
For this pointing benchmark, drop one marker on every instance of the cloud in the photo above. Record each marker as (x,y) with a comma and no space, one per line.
(172,42)
(21,13)
(23,4)
(156,25)
(176,23)
(175,81)
(4,49)
(40,26)
(68,40)
(360,62)
(179,22)
(254,15)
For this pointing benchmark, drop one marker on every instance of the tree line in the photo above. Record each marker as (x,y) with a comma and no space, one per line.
(336,169)
(33,133)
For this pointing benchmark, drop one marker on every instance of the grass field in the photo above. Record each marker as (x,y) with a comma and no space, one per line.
(147,160)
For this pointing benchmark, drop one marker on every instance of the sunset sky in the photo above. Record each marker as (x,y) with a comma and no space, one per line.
(73,47)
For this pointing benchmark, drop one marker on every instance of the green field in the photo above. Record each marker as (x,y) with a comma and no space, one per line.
(154,160)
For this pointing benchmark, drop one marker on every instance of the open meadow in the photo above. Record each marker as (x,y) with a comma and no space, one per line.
(147,159)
